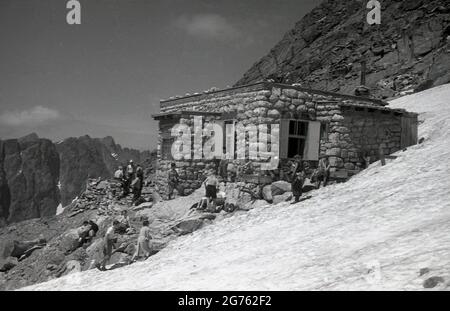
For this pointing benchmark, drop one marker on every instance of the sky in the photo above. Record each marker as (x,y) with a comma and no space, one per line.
(105,77)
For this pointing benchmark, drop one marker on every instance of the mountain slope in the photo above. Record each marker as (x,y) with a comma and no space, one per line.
(409,50)
(377,231)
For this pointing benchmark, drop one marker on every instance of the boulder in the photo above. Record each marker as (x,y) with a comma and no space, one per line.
(280,187)
(267,193)
(433,282)
(120,258)
(8,263)
(188,226)
(287,196)
(13,248)
(72,266)
(69,241)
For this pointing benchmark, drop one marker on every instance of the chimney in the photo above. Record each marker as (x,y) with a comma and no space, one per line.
(362,89)
(363,73)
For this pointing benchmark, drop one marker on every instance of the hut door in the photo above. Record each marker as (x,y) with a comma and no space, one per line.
(409,132)
(313,141)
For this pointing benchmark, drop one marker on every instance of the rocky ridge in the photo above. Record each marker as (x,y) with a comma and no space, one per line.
(409,51)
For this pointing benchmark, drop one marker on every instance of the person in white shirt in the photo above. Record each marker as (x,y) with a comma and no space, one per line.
(143,242)
(211,183)
(108,244)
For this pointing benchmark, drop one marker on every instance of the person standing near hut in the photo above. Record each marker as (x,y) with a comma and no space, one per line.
(323,172)
(211,183)
(297,178)
(173,180)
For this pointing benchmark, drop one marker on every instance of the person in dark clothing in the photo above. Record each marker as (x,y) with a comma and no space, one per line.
(136,187)
(140,175)
(86,232)
(297,177)
(94,227)
(125,183)
(173,180)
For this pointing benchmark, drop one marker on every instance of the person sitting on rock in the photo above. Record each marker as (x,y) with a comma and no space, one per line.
(84,233)
(173,180)
(143,242)
(119,173)
(108,245)
(124,223)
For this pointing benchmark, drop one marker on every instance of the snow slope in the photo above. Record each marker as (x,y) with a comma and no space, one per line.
(377,231)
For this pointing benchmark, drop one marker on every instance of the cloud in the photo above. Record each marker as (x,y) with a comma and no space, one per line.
(33,116)
(208,26)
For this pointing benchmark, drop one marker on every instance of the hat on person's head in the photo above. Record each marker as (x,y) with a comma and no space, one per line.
(131,161)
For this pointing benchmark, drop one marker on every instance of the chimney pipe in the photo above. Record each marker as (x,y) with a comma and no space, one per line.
(363,72)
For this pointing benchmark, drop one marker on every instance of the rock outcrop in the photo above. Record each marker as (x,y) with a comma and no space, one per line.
(29,172)
(409,51)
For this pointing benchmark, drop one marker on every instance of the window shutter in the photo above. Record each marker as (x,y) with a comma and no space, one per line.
(284,138)
(218,147)
(230,140)
(313,141)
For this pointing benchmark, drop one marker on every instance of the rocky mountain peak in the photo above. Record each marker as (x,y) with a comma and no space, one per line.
(409,51)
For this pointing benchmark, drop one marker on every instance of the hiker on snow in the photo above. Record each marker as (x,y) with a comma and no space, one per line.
(108,244)
(298,178)
(143,242)
(174,179)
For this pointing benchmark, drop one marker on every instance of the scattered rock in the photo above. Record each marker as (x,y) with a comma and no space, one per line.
(267,193)
(287,196)
(188,226)
(280,187)
(8,263)
(433,282)
(424,271)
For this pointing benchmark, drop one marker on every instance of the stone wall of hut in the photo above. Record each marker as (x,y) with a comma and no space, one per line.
(347,133)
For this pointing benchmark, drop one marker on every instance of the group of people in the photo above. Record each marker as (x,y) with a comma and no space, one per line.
(131,178)
(300,171)
(143,248)
(211,184)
